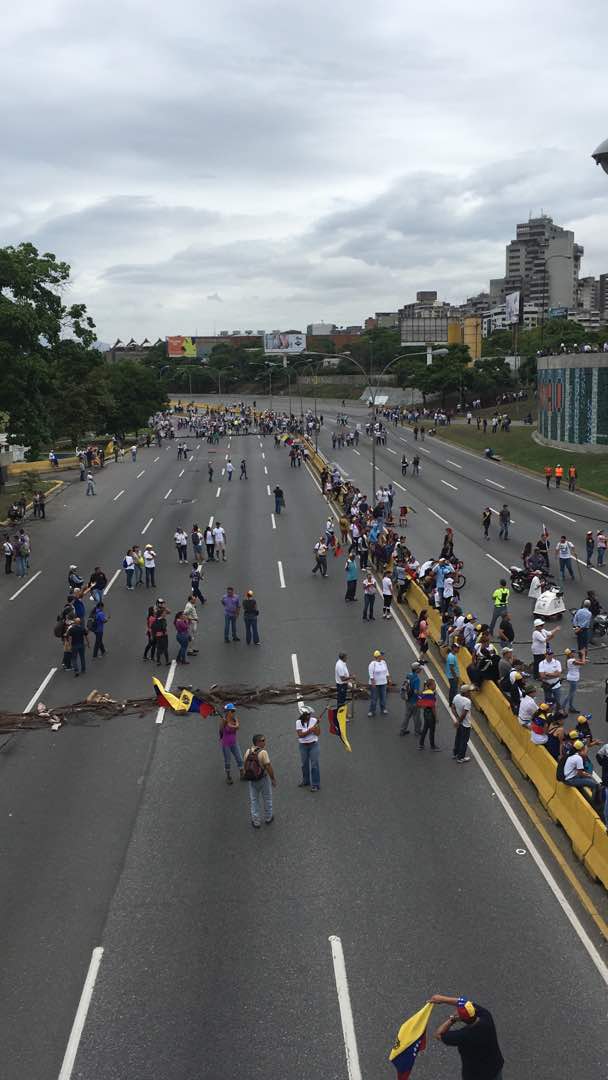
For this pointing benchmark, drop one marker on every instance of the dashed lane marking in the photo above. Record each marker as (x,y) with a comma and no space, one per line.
(26,586)
(116,497)
(85,527)
(147,526)
(435,514)
(447,484)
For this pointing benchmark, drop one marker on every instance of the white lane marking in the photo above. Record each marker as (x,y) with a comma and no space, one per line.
(423,450)
(85,527)
(226,457)
(69,1058)
(498,562)
(454,463)
(281,574)
(117,497)
(528,844)
(140,474)
(158,458)
(400,486)
(198,447)
(389,451)
(268,488)
(265,470)
(358,452)
(217,494)
(191,458)
(40,691)
(210,522)
(295,668)
(146,526)
(168,493)
(179,475)
(223,471)
(263,455)
(110,583)
(160,716)
(434,512)
(495,482)
(595,570)
(447,484)
(272,518)
(559,514)
(353,1067)
(27,584)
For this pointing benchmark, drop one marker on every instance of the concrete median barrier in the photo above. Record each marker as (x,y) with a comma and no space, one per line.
(596,859)
(576,817)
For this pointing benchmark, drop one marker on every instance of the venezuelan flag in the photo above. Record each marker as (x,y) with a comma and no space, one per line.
(410,1042)
(195,704)
(337,725)
(167,700)
(427,700)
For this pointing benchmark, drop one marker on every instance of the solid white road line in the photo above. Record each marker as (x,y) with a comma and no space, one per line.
(179,475)
(454,463)
(498,562)
(272,518)
(263,455)
(116,497)
(525,837)
(559,514)
(353,1067)
(140,474)
(28,583)
(160,716)
(217,494)
(39,692)
(69,1058)
(435,514)
(158,458)
(110,583)
(495,482)
(210,521)
(168,493)
(595,570)
(281,574)
(268,488)
(85,527)
(447,484)
(147,526)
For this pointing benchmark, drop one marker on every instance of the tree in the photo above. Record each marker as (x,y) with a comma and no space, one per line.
(134,394)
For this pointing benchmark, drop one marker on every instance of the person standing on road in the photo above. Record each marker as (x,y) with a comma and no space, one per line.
(231,603)
(139,561)
(342,675)
(476,1041)
(182,634)
(601,543)
(78,639)
(452,671)
(504,518)
(461,710)
(308,730)
(98,625)
(250,615)
(8,551)
(243,473)
(195,582)
(573,677)
(150,566)
(427,701)
(90,484)
(352,576)
(559,472)
(566,551)
(581,624)
(196,538)
(500,601)
(416,465)
(191,615)
(410,691)
(219,541)
(589,547)
(387,595)
(128,565)
(378,683)
(548,475)
(229,729)
(209,544)
(540,640)
(486,519)
(572,477)
(181,544)
(229,469)
(150,641)
(210,472)
(369,597)
(160,635)
(279,499)
(259,772)
(320,550)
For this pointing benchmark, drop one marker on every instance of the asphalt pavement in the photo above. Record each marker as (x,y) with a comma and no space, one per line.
(122,833)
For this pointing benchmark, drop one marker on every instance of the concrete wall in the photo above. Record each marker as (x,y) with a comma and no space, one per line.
(573,401)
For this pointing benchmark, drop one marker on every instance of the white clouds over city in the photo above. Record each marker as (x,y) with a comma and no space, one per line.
(248,165)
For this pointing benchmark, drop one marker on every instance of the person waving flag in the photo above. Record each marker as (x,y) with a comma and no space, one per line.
(410,1041)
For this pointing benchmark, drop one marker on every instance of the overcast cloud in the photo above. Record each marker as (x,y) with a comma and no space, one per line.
(253,164)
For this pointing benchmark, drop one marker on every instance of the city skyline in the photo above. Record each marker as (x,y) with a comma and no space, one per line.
(282,167)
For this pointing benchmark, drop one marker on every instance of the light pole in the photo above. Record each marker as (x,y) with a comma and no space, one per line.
(542,313)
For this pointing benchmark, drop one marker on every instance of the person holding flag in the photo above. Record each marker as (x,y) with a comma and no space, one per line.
(476,1041)
(308,730)
(228,733)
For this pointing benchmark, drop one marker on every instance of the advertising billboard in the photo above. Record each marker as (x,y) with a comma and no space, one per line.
(284,343)
(432,329)
(512,306)
(179,346)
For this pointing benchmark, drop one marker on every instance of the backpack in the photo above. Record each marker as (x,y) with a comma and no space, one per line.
(561,764)
(92,622)
(124,563)
(253,770)
(59,627)
(416,627)
(406,689)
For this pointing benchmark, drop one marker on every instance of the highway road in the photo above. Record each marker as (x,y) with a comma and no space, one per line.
(122,835)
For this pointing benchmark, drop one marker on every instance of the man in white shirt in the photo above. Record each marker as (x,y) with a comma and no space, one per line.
(219,541)
(191,614)
(342,678)
(229,469)
(461,709)
(540,639)
(387,595)
(527,707)
(128,565)
(181,543)
(575,774)
(550,671)
(565,550)
(150,565)
(378,682)
(308,730)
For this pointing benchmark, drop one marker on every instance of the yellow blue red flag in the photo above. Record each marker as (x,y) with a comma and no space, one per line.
(166,699)
(195,704)
(410,1042)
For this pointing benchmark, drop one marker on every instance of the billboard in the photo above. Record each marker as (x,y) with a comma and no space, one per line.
(179,346)
(558,312)
(284,343)
(512,308)
(431,329)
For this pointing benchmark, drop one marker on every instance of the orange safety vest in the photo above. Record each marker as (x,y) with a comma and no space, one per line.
(559,471)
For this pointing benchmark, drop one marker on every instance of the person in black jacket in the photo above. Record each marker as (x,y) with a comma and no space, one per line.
(476,1041)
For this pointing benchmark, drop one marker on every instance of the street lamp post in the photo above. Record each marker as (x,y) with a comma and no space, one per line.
(542,314)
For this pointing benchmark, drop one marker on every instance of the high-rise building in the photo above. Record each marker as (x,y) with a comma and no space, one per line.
(543,262)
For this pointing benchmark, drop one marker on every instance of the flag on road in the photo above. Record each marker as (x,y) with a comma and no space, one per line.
(337,725)
(195,704)
(410,1042)
(166,699)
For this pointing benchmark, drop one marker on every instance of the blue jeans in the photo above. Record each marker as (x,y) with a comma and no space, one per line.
(369,600)
(377,697)
(583,782)
(260,793)
(310,753)
(277,505)
(569,702)
(23,563)
(76,655)
(341,694)
(251,629)
(230,625)
(182,640)
(601,551)
(552,695)
(235,751)
(497,613)
(566,564)
(97,595)
(129,574)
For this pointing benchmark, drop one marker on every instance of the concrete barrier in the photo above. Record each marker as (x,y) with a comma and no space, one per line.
(541,768)
(596,859)
(576,817)
(19,467)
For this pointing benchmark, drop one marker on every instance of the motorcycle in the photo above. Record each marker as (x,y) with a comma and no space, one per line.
(599,625)
(521,578)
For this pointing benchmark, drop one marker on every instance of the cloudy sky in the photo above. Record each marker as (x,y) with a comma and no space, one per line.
(249,164)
